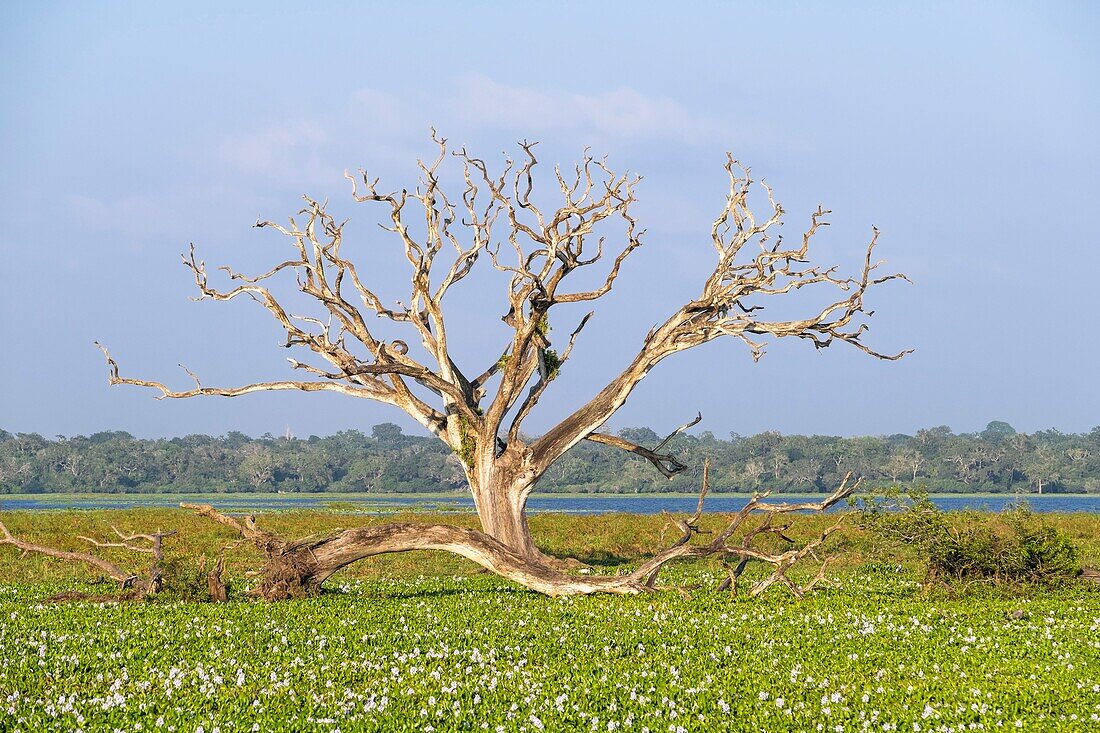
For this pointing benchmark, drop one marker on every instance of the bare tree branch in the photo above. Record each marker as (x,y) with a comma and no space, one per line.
(139,585)
(127,540)
(666,463)
(730,304)
(296,569)
(493,217)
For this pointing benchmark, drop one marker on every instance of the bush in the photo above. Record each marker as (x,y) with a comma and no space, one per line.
(185,580)
(1015,545)
(1044,551)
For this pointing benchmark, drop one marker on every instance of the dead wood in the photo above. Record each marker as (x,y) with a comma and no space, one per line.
(494,219)
(131,584)
(215,586)
(297,569)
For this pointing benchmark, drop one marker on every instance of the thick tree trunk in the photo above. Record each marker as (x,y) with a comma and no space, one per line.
(499,486)
(501,510)
(500,492)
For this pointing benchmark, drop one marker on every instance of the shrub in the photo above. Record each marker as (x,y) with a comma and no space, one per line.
(1015,545)
(184,580)
(1044,550)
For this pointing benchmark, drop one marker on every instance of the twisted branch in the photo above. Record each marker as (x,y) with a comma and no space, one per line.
(732,302)
(537,247)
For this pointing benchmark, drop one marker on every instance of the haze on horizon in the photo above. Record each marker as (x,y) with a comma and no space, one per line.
(968,135)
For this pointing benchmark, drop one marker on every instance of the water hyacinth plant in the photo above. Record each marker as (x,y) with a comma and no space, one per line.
(394,645)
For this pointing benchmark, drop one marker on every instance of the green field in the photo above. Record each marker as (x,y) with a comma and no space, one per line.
(425,642)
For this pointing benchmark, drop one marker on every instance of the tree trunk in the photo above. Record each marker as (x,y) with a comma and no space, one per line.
(500,486)
(500,490)
(501,510)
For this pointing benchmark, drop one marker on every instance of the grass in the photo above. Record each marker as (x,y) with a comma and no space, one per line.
(424,642)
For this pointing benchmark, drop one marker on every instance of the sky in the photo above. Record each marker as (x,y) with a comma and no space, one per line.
(966,132)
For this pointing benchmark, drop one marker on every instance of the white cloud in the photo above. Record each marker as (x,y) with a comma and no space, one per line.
(311,152)
(385,130)
(136,218)
(285,150)
(168,217)
(622,114)
(381,111)
(262,150)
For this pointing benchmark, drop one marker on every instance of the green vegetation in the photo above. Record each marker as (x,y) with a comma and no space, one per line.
(469,445)
(998,460)
(553,364)
(1017,545)
(543,326)
(418,640)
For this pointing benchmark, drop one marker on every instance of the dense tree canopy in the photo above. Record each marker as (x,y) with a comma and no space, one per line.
(995,459)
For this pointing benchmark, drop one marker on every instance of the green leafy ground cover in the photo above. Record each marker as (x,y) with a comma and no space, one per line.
(412,643)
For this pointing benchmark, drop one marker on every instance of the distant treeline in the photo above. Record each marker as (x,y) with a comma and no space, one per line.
(997,459)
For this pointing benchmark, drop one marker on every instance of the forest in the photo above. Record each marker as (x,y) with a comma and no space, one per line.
(996,459)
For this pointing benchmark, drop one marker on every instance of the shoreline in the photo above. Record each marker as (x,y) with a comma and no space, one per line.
(335,497)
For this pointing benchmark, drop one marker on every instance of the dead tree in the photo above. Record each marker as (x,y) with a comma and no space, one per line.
(298,568)
(479,414)
(131,584)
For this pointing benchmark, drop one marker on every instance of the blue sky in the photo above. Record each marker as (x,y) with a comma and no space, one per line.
(966,132)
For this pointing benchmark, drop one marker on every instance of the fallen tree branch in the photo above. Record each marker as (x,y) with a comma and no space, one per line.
(297,569)
(137,585)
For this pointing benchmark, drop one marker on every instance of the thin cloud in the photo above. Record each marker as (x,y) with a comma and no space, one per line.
(276,150)
(622,114)
(378,128)
(385,133)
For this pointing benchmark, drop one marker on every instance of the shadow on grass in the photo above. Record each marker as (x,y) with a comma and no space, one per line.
(604,558)
(442,593)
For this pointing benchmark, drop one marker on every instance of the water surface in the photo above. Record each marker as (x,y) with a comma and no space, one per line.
(569,504)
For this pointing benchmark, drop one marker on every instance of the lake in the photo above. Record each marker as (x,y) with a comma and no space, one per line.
(570,504)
